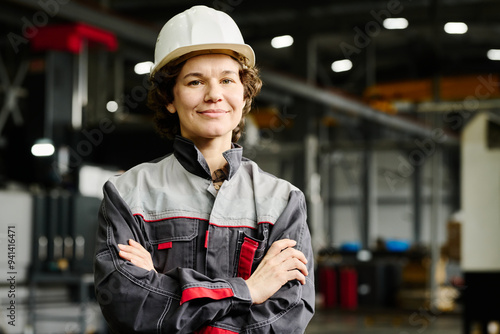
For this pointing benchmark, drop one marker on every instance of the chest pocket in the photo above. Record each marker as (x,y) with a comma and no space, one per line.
(173,242)
(251,252)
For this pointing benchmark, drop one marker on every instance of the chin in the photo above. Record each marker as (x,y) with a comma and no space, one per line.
(217,133)
(215,136)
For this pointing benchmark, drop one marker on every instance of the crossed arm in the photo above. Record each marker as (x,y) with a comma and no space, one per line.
(281,264)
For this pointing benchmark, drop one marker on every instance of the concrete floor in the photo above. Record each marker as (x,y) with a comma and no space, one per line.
(383,322)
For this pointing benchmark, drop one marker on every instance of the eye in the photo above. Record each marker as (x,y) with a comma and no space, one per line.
(227,81)
(194,83)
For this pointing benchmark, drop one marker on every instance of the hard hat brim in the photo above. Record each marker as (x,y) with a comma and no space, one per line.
(243,49)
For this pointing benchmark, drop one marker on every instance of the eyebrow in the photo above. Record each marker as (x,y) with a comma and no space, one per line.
(200,75)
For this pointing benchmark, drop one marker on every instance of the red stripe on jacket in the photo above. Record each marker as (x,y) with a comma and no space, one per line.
(214,330)
(199,292)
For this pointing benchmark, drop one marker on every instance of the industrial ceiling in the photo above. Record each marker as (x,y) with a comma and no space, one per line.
(323,32)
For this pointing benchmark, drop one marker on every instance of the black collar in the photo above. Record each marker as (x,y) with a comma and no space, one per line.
(194,162)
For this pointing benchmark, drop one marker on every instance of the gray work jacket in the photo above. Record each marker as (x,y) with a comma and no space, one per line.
(204,244)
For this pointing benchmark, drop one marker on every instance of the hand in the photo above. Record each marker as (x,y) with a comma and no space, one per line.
(137,255)
(281,264)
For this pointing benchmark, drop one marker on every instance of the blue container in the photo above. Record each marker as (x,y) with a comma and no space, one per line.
(351,246)
(397,246)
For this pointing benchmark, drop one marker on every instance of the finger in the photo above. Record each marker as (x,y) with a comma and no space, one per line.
(294,264)
(295,253)
(125,255)
(135,248)
(290,275)
(130,255)
(291,253)
(297,275)
(128,250)
(138,260)
(278,246)
(134,243)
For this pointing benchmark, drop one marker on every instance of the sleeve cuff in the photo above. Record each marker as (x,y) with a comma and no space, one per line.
(242,299)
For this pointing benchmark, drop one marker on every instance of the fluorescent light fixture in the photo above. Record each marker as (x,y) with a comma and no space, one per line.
(282,41)
(112,106)
(143,68)
(395,23)
(493,54)
(43,148)
(457,28)
(341,65)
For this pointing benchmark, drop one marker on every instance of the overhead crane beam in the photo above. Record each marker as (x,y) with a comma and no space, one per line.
(351,107)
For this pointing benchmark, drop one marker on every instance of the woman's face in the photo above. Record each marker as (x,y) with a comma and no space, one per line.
(208,97)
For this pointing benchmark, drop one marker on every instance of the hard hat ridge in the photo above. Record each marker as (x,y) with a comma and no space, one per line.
(196,30)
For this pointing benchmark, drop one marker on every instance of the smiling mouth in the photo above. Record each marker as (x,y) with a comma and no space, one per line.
(213,112)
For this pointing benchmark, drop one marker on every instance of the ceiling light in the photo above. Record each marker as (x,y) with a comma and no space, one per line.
(493,54)
(43,148)
(455,28)
(143,68)
(112,106)
(395,23)
(341,65)
(282,41)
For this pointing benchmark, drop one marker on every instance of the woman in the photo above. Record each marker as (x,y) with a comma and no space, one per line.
(202,240)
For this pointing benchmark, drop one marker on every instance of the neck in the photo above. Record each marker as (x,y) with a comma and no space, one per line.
(212,152)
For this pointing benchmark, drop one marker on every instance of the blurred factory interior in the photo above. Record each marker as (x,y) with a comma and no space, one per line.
(386,113)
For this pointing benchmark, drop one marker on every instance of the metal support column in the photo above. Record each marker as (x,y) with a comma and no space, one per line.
(119,80)
(437,181)
(326,192)
(313,193)
(417,204)
(312,61)
(372,199)
(371,73)
(80,88)
(331,197)
(59,95)
(368,186)
(368,199)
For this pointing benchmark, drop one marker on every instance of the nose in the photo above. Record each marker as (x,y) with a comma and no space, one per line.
(213,93)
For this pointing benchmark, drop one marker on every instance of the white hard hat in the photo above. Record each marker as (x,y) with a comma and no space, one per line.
(199,28)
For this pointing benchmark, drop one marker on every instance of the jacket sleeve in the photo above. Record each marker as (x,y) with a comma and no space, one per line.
(134,300)
(291,308)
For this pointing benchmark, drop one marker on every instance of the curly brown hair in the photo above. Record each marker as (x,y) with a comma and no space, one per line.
(161,93)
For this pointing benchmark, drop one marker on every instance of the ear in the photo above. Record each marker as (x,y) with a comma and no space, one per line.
(170,107)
